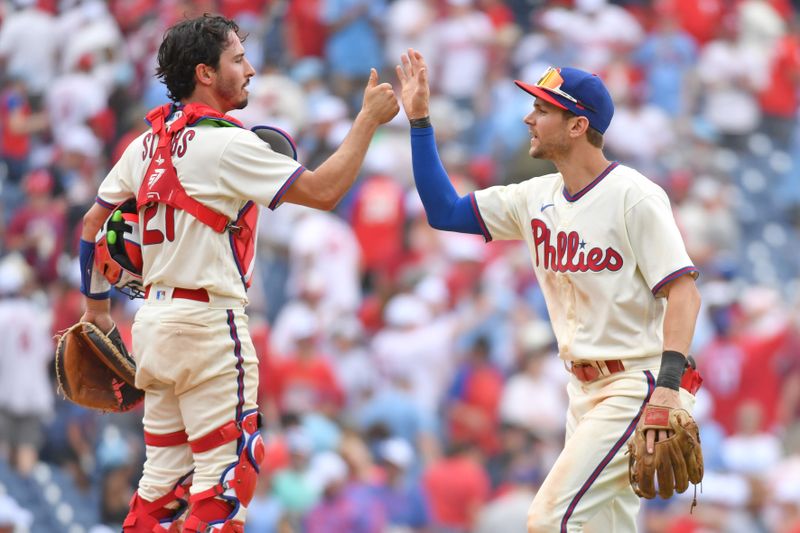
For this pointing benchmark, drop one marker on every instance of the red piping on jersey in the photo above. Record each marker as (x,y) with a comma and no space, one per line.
(578,195)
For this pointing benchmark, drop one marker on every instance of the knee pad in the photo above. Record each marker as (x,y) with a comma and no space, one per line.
(217,507)
(148,517)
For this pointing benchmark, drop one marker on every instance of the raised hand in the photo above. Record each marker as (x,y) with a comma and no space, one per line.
(380,103)
(414,90)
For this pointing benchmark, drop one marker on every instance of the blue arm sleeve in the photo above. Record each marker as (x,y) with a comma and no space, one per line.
(93,285)
(444,208)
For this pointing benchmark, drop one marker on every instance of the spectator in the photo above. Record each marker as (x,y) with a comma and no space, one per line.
(667,56)
(535,397)
(26,395)
(37,230)
(28,45)
(473,399)
(458,487)
(351,362)
(400,492)
(509,512)
(304,381)
(779,98)
(728,73)
(341,508)
(292,486)
(17,124)
(463,39)
(353,44)
(751,451)
(377,216)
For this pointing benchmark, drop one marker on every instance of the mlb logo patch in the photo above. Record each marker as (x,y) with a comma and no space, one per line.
(161,295)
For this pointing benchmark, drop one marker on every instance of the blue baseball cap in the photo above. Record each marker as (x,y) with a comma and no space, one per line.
(577,91)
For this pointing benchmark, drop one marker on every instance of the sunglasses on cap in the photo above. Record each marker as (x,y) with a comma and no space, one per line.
(551,81)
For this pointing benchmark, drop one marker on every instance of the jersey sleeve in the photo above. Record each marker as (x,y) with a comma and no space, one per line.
(249,169)
(120,183)
(500,211)
(657,244)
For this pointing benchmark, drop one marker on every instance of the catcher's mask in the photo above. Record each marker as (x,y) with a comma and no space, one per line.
(118,251)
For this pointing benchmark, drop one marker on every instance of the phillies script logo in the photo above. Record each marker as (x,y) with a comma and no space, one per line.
(569,253)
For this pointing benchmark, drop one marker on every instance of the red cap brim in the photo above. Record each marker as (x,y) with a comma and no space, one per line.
(539,92)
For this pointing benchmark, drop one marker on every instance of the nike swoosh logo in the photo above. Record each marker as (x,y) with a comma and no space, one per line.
(545,206)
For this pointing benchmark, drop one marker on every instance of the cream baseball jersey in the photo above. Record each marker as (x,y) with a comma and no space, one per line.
(594,253)
(222,168)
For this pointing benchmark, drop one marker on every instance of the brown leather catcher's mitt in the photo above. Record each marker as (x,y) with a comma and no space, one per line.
(676,461)
(95,370)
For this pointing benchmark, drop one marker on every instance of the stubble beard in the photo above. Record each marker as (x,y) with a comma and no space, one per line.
(549,151)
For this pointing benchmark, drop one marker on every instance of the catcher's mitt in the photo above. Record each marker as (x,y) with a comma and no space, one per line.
(94,369)
(676,461)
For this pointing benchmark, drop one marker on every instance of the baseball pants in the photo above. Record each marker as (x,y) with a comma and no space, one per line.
(199,370)
(588,488)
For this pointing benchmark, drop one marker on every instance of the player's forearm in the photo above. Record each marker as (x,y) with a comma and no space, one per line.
(683,305)
(93,221)
(443,206)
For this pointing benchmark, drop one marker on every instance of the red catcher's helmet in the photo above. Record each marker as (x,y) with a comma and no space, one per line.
(118,250)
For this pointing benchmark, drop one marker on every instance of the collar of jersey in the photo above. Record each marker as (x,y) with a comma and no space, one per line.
(578,195)
(201,114)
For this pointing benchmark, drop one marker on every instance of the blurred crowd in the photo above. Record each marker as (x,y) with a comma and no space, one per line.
(409,377)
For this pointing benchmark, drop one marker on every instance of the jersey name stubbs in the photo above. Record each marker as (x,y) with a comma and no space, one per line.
(177,149)
(567,254)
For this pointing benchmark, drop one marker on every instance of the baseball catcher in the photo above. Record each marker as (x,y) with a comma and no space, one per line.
(94,369)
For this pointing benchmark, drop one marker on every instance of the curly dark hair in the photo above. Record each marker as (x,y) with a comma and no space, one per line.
(190,43)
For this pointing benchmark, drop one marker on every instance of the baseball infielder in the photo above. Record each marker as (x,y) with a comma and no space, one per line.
(196,176)
(617,281)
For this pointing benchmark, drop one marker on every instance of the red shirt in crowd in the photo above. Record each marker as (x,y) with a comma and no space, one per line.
(457,487)
(779,98)
(306,35)
(13,145)
(377,218)
(307,382)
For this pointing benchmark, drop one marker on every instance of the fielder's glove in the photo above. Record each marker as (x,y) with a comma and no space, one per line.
(675,461)
(94,369)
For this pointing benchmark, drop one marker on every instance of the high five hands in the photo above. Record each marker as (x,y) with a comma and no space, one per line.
(380,103)
(414,90)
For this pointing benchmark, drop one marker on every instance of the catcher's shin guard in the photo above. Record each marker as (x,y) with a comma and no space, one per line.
(218,508)
(149,517)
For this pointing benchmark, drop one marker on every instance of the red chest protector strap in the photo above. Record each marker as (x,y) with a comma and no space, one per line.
(161,182)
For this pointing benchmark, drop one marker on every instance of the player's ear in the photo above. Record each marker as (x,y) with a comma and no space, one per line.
(204,74)
(578,126)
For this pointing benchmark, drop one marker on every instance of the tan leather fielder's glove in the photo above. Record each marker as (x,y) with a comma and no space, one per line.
(95,370)
(675,461)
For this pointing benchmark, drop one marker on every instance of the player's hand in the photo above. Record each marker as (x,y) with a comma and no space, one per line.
(668,398)
(97,312)
(380,103)
(414,90)
(102,321)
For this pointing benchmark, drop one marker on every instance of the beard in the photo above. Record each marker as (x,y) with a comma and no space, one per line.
(234,93)
(241,104)
(551,149)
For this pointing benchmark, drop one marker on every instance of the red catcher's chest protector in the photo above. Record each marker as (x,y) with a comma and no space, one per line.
(161,183)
